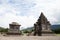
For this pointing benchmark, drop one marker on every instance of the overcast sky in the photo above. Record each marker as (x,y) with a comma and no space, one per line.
(26,12)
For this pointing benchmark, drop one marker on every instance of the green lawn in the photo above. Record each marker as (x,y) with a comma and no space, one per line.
(58,34)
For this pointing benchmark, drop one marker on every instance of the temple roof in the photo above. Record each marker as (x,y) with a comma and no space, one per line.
(15,23)
(42,19)
(42,15)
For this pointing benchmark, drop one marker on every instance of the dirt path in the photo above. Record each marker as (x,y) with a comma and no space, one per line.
(29,37)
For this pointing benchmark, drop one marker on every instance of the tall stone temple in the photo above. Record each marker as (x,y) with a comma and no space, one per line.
(42,26)
(14,29)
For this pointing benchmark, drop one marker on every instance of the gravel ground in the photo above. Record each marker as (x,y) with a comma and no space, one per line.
(29,37)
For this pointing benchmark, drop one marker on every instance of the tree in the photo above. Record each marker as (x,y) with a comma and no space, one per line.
(57,31)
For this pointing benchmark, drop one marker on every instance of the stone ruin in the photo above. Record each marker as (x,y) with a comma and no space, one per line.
(42,26)
(14,29)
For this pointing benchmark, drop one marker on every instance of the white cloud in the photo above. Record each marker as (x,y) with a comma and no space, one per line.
(23,20)
(27,12)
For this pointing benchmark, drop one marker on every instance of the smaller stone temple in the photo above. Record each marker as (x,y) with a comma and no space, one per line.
(14,29)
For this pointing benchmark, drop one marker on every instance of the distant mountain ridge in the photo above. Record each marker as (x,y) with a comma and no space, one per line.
(55,26)
(52,27)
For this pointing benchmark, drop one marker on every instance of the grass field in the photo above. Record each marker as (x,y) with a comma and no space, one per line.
(58,34)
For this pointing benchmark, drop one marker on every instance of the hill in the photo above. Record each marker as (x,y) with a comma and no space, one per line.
(54,28)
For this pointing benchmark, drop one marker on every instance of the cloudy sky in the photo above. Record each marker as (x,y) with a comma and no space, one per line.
(26,12)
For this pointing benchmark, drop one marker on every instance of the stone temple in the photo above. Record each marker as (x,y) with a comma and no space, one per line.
(42,26)
(14,29)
